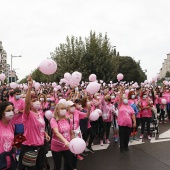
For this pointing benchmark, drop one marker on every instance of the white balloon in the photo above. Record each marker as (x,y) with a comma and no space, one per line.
(94,115)
(77,145)
(48,114)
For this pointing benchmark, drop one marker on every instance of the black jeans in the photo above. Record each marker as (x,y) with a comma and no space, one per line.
(148,121)
(57,156)
(74,162)
(106,128)
(138,122)
(90,132)
(162,115)
(158,108)
(124,133)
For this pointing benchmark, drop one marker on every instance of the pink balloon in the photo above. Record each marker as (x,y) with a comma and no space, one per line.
(67,76)
(157,76)
(48,66)
(2,76)
(13,85)
(146,81)
(37,85)
(93,87)
(92,77)
(55,89)
(48,114)
(77,145)
(120,76)
(76,76)
(21,86)
(63,81)
(98,111)
(72,83)
(154,78)
(58,87)
(163,101)
(25,87)
(94,115)
(166,83)
(54,84)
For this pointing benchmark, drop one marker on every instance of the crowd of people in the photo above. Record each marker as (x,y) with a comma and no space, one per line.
(25,130)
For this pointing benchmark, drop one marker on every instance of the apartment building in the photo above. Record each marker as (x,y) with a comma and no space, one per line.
(4,67)
(165,66)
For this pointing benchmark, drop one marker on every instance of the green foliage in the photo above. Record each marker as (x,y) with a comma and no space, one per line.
(167,74)
(94,55)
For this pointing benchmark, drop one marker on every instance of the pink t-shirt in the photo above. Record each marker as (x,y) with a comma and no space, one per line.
(145,112)
(167,96)
(86,110)
(6,139)
(64,128)
(77,116)
(125,115)
(162,106)
(18,105)
(107,114)
(34,129)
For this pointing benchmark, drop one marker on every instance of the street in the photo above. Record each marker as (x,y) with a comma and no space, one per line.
(143,154)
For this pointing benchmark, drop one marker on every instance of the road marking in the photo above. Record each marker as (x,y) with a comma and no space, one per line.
(94,147)
(135,142)
(166,134)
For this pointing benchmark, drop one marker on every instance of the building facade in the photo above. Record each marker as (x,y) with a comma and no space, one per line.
(4,67)
(165,66)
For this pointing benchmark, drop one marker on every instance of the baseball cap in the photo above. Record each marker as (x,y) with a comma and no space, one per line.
(69,103)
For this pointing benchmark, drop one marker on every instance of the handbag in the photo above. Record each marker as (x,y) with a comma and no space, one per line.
(18,140)
(29,159)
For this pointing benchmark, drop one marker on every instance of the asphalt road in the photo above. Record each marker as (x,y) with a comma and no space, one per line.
(143,154)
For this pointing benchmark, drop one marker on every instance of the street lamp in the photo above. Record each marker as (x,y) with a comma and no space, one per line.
(11,59)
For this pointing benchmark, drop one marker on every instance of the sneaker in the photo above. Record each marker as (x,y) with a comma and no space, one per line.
(84,153)
(90,149)
(135,138)
(149,137)
(107,141)
(131,139)
(101,142)
(160,122)
(165,122)
(141,136)
(80,157)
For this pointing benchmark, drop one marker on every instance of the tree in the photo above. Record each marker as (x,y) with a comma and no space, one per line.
(94,55)
(167,74)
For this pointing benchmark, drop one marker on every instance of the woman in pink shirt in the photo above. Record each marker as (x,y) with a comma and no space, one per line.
(162,108)
(7,152)
(62,135)
(125,117)
(167,97)
(107,117)
(145,104)
(97,104)
(75,116)
(34,130)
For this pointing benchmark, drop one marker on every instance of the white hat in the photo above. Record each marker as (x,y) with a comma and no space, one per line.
(69,103)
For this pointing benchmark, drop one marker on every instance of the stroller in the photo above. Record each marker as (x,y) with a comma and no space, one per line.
(154,125)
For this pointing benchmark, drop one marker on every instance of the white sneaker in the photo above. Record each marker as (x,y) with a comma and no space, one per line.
(101,142)
(107,141)
(141,136)
(149,137)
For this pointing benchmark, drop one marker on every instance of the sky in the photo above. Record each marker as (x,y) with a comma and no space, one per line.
(138,28)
